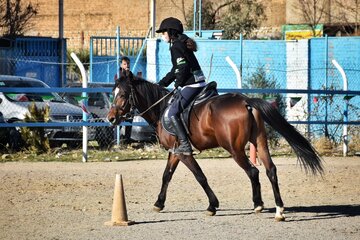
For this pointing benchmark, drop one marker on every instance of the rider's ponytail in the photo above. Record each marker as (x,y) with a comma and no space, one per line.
(191,44)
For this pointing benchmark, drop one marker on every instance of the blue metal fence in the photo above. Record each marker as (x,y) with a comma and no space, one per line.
(103,57)
(37,57)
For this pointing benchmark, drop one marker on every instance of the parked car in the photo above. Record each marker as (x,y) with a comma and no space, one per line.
(99,104)
(14,107)
(10,138)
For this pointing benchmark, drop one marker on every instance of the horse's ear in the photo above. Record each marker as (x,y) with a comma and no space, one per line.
(117,82)
(130,77)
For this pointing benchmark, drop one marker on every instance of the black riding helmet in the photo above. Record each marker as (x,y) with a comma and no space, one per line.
(170,23)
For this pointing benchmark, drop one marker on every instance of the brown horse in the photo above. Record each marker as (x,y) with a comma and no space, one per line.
(229,121)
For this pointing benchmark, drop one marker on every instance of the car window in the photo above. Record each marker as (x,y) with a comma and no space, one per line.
(27,96)
(96,99)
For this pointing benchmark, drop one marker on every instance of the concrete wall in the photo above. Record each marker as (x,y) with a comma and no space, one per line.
(297,75)
(83,18)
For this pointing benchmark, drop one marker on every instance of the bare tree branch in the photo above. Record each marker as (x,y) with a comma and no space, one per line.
(16,18)
(181,7)
(312,12)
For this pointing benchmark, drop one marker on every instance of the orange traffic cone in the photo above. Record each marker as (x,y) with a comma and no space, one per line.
(119,214)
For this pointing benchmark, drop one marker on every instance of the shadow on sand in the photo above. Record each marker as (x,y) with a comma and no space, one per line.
(323,212)
(294,214)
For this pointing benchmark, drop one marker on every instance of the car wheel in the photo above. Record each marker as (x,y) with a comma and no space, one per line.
(73,144)
(55,144)
(15,140)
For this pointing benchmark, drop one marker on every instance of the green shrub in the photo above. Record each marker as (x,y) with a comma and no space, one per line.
(34,137)
(259,80)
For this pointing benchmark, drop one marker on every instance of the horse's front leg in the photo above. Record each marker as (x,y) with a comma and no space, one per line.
(171,165)
(194,167)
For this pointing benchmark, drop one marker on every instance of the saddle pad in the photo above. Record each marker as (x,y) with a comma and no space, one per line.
(208,92)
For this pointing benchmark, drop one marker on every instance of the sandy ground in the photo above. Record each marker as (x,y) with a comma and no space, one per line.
(73,201)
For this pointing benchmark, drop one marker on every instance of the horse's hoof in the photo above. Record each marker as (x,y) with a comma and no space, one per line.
(280,218)
(259,209)
(158,209)
(211,211)
(279,215)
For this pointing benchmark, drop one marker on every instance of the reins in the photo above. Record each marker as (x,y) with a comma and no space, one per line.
(156,103)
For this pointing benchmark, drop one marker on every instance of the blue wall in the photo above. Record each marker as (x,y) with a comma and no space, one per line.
(346,51)
(219,70)
(248,56)
(271,55)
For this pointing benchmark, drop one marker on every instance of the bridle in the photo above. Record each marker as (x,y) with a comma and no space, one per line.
(131,101)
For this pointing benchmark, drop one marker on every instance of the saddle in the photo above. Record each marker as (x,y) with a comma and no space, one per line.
(206,93)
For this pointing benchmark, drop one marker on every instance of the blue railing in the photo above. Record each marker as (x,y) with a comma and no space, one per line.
(244,91)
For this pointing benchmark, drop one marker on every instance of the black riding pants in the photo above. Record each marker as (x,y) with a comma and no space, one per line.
(184,98)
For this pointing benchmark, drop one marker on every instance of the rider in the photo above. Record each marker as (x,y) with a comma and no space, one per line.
(186,73)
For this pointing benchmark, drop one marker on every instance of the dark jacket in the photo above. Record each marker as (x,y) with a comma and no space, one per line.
(184,64)
(123,73)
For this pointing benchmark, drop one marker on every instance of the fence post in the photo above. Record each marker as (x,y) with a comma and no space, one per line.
(345,88)
(91,59)
(241,55)
(118,73)
(84,94)
(326,83)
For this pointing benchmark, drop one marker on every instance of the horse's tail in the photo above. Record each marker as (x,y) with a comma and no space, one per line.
(305,153)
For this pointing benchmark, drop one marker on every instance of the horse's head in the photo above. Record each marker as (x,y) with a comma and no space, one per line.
(132,93)
(123,101)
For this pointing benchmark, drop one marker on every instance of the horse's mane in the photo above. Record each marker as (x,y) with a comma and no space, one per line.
(150,92)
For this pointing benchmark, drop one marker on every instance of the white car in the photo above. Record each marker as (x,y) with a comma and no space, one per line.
(14,107)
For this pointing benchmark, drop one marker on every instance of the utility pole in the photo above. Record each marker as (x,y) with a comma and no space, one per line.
(153,17)
(61,37)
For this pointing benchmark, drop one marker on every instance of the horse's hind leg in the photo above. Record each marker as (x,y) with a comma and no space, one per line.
(264,155)
(253,174)
(170,168)
(194,167)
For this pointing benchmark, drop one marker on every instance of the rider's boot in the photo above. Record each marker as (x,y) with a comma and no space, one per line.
(184,144)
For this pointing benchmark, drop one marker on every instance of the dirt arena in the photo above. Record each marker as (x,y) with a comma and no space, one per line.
(73,201)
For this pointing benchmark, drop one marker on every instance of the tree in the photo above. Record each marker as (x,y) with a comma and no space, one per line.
(181,7)
(15,17)
(348,13)
(232,16)
(243,17)
(312,11)
(210,14)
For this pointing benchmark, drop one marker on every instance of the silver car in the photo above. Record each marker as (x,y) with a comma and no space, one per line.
(14,107)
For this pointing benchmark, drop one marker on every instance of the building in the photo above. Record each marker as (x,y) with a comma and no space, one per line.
(83,19)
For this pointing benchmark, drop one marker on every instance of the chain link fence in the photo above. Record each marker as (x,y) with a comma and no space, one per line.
(322,111)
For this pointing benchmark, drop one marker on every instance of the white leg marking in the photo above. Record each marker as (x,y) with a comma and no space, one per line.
(279,215)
